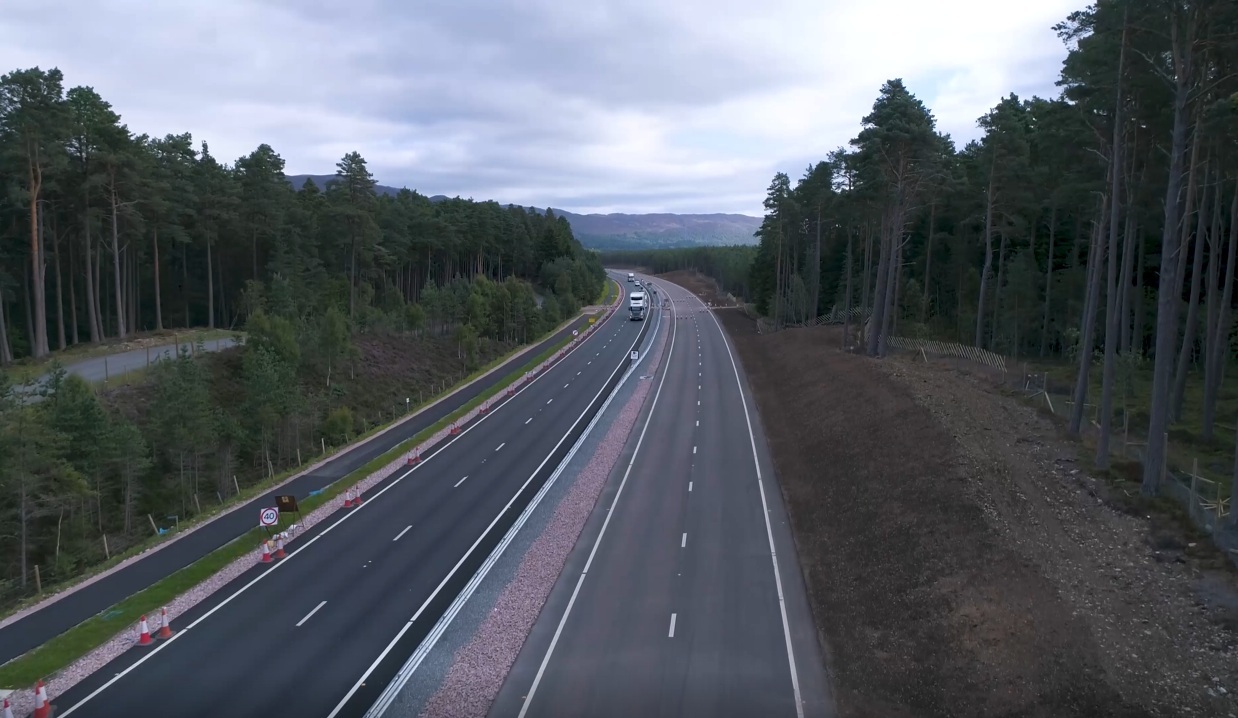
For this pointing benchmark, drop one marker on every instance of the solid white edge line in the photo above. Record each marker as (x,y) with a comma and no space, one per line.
(352,691)
(528,699)
(310,614)
(476,422)
(389,694)
(769,531)
(397,536)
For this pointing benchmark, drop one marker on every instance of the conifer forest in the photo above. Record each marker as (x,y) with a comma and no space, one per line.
(107,235)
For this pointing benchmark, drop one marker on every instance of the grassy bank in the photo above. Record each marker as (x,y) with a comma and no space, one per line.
(68,647)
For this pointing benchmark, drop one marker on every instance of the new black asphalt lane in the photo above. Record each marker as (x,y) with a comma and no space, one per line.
(44,624)
(679,613)
(374,571)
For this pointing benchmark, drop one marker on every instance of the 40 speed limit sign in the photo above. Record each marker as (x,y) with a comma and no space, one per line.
(268,517)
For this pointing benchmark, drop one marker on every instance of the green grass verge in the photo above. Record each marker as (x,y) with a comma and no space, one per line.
(80,640)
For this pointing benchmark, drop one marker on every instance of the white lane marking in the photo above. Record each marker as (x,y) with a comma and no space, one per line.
(698,402)
(461,481)
(589,362)
(541,670)
(528,420)
(567,385)
(683,542)
(284,562)
(689,486)
(769,531)
(694,449)
(501,446)
(382,656)
(311,613)
(698,422)
(397,536)
(672,633)
(698,387)
(550,400)
(577,373)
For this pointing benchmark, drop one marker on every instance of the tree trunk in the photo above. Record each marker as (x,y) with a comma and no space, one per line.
(928,262)
(1087,338)
(1044,328)
(988,254)
(1218,346)
(60,334)
(1187,352)
(877,319)
(1168,291)
(997,288)
(6,349)
(38,345)
(121,330)
(847,309)
(154,245)
(210,288)
(73,329)
(1113,317)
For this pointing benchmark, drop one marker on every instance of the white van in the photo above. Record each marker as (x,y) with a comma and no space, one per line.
(631,277)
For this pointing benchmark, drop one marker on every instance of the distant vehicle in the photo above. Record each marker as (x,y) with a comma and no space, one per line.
(631,277)
(637,306)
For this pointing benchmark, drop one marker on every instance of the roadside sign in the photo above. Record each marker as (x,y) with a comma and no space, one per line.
(287,503)
(575,332)
(635,355)
(268,517)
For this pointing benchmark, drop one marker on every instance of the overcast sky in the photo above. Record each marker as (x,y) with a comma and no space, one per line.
(588,105)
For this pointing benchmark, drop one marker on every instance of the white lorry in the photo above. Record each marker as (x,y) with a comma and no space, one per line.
(637,306)
(631,277)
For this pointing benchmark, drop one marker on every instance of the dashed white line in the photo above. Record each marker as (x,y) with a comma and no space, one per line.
(689,486)
(500,446)
(698,422)
(531,419)
(694,449)
(698,402)
(672,633)
(397,536)
(461,481)
(567,385)
(307,616)
(549,400)
(577,373)
(683,542)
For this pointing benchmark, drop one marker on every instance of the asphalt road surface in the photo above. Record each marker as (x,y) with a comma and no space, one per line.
(38,627)
(98,369)
(323,631)
(671,602)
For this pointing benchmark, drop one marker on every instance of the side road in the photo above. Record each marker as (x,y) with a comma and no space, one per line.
(36,625)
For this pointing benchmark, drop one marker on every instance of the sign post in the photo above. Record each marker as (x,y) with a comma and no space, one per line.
(268,517)
(635,356)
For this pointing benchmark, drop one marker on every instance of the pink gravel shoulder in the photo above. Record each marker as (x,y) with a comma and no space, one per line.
(22,702)
(479,667)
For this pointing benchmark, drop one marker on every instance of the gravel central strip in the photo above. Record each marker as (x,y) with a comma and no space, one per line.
(22,702)
(479,668)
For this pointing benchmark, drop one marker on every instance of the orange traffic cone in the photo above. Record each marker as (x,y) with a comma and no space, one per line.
(41,707)
(144,637)
(165,631)
(8,712)
(455,429)
(484,408)
(266,553)
(356,498)
(279,547)
(348,499)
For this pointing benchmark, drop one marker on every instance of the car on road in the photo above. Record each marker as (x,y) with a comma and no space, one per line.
(631,277)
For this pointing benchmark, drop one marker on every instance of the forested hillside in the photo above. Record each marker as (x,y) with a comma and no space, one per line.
(730,266)
(349,300)
(1103,222)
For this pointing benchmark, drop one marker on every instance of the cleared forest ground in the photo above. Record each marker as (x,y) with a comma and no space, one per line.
(959,559)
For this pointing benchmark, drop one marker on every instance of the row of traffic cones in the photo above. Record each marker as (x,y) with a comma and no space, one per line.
(165,630)
(268,555)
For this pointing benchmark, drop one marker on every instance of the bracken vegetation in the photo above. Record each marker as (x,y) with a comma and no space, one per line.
(107,234)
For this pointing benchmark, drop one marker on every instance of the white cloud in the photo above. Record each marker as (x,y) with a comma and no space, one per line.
(607,105)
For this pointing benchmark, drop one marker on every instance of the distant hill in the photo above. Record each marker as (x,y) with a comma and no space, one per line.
(628,231)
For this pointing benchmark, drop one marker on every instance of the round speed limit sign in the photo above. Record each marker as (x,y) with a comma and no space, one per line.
(269,517)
